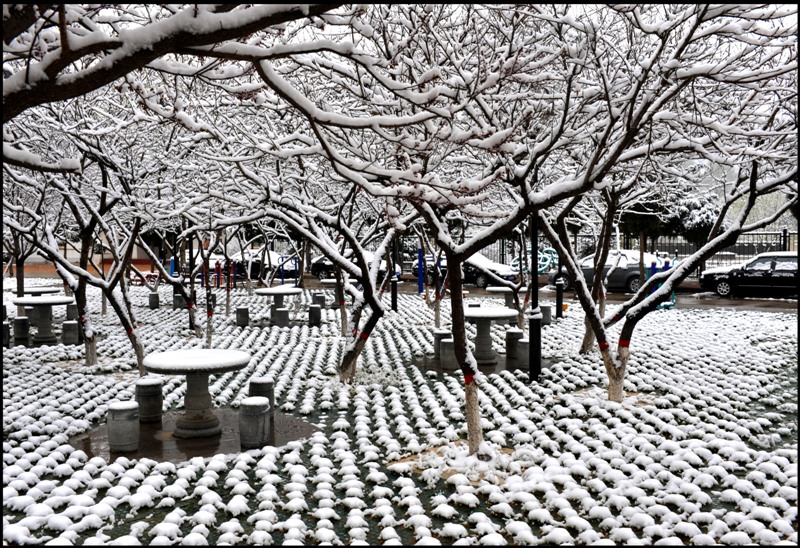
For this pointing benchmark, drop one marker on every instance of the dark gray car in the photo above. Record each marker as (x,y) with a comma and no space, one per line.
(625,276)
(772,274)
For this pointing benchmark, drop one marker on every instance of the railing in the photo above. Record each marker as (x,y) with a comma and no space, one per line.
(746,247)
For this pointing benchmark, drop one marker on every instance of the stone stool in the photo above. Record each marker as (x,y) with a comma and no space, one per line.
(22,331)
(178,301)
(263,386)
(438,335)
(314,315)
(72,311)
(242,316)
(123,426)
(513,336)
(281,317)
(254,422)
(153,301)
(447,355)
(547,314)
(319,298)
(150,398)
(69,332)
(523,353)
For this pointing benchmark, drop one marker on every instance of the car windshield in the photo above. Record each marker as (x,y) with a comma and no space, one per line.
(763,263)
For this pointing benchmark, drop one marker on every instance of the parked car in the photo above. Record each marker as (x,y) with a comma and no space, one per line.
(625,277)
(322,267)
(476,270)
(773,274)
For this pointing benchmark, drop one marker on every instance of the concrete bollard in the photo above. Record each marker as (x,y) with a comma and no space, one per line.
(314,315)
(22,331)
(438,335)
(6,334)
(123,426)
(547,314)
(153,301)
(178,302)
(150,398)
(254,422)
(72,311)
(319,298)
(242,316)
(512,339)
(447,355)
(523,353)
(69,332)
(281,317)
(263,386)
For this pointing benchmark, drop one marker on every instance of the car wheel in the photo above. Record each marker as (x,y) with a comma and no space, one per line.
(324,274)
(633,285)
(482,281)
(567,283)
(724,288)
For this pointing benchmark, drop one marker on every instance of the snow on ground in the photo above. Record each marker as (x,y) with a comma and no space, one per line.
(703,450)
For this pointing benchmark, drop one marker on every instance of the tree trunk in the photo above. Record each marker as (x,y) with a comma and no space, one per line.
(128,323)
(340,298)
(465,359)
(615,369)
(209,316)
(20,284)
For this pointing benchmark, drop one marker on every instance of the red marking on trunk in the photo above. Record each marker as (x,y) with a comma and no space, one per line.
(624,342)
(364,335)
(603,345)
(469,379)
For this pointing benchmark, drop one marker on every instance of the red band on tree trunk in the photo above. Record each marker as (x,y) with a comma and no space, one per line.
(210,313)
(468,379)
(341,303)
(603,345)
(624,342)
(364,335)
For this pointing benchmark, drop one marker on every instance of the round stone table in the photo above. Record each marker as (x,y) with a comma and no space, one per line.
(483,316)
(278,292)
(198,419)
(44,316)
(38,291)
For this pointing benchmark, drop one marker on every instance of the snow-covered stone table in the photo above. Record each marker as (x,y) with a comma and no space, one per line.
(483,316)
(39,291)
(507,292)
(278,293)
(44,316)
(198,419)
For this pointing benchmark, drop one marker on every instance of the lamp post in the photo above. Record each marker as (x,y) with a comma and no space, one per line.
(535,318)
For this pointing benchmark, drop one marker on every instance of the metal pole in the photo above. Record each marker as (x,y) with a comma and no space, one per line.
(420,271)
(535,318)
(394,277)
(559,290)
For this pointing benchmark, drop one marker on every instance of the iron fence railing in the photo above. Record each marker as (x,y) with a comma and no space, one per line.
(746,247)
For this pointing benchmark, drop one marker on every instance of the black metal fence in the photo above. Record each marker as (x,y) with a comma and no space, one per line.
(746,247)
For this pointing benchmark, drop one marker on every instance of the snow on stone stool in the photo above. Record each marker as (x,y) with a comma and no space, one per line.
(523,352)
(123,426)
(6,333)
(150,398)
(22,331)
(547,314)
(69,332)
(153,300)
(281,317)
(178,302)
(318,298)
(513,336)
(314,315)
(72,311)
(438,335)
(263,386)
(254,422)
(447,355)
(242,316)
